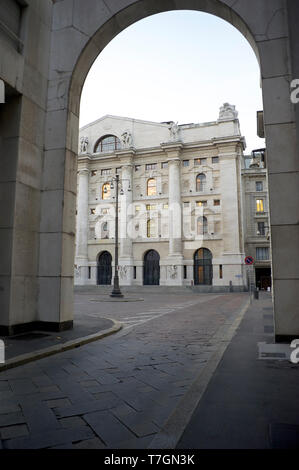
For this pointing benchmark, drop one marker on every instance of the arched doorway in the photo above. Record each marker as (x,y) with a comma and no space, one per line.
(104,271)
(203,269)
(151,268)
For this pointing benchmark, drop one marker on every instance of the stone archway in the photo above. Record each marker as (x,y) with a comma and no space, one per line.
(77,32)
(267,35)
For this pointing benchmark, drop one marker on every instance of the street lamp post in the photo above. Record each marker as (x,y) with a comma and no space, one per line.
(116,292)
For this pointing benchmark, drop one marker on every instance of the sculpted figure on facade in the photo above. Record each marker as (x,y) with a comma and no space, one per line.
(127,139)
(172,272)
(123,272)
(77,271)
(84,144)
(174,130)
(228,111)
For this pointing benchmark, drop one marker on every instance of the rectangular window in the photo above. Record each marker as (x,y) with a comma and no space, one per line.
(137,208)
(93,172)
(262,254)
(200,161)
(185,272)
(259,186)
(261,228)
(201,203)
(165,206)
(164,165)
(151,207)
(118,171)
(259,205)
(105,211)
(216,202)
(135,272)
(106,171)
(215,160)
(137,167)
(92,211)
(186,204)
(186,163)
(151,166)
(220,271)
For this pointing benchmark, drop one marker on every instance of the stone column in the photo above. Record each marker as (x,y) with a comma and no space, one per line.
(175,208)
(82,228)
(232,255)
(126,260)
(174,267)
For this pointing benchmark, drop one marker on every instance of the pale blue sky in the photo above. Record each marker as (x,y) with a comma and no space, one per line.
(176,66)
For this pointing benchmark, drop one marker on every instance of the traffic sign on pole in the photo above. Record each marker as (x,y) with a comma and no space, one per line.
(249,260)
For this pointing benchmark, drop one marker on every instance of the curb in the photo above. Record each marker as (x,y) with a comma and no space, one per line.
(57,348)
(170,435)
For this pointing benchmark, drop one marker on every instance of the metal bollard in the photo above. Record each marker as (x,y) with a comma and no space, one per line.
(256,293)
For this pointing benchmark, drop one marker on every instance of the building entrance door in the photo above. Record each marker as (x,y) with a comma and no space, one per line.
(104,274)
(203,269)
(151,269)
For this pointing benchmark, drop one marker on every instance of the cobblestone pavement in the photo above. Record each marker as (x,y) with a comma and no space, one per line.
(120,391)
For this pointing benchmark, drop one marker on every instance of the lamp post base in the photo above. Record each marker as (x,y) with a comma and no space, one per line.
(116,290)
(118,295)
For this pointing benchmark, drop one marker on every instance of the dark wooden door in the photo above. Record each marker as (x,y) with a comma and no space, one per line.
(151,269)
(203,269)
(104,269)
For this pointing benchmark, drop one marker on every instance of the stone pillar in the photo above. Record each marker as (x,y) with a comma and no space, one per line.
(174,268)
(175,208)
(233,256)
(82,228)
(126,261)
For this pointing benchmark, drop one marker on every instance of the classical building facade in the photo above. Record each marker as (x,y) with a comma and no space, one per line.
(180,210)
(256,226)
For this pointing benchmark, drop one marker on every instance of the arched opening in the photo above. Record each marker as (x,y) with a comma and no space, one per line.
(104,269)
(151,268)
(243,19)
(106,191)
(202,225)
(108,143)
(200,182)
(151,189)
(203,269)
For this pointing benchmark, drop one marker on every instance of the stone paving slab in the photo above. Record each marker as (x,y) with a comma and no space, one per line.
(10,432)
(86,407)
(110,430)
(50,438)
(11,419)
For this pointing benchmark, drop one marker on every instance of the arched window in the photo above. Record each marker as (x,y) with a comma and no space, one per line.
(200,182)
(151,229)
(106,191)
(152,187)
(108,143)
(202,226)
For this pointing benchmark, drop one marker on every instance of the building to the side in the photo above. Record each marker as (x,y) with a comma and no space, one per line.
(256,224)
(180,202)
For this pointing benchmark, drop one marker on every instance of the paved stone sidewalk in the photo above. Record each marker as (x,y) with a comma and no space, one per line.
(250,402)
(120,391)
